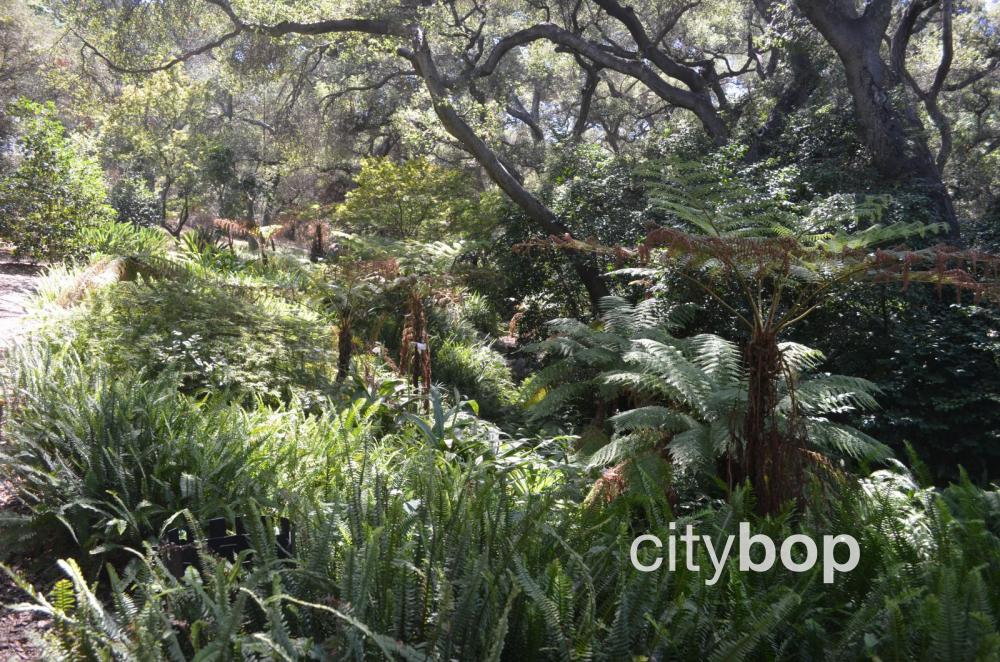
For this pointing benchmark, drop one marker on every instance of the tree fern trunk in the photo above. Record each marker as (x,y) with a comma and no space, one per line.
(770,460)
(345,348)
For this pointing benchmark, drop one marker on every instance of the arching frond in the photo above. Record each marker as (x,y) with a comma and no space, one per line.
(799,358)
(720,359)
(653,417)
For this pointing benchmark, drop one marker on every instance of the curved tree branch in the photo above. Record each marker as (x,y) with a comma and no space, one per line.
(517,110)
(508,182)
(699,104)
(169,64)
(649,50)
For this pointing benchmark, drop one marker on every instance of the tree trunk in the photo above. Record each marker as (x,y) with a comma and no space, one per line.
(771,460)
(805,77)
(887,121)
(898,151)
(345,348)
(164,196)
(584,265)
(316,251)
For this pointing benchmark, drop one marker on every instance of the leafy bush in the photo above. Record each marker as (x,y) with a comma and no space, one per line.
(938,364)
(214,338)
(414,199)
(134,202)
(470,317)
(201,246)
(480,313)
(55,190)
(478,372)
(597,194)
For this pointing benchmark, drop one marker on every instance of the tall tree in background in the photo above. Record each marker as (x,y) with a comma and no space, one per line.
(22,58)
(479,71)
(887,118)
(158,127)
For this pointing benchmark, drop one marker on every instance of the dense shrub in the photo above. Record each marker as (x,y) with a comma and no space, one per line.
(479,312)
(54,191)
(107,456)
(477,371)
(938,364)
(597,194)
(134,202)
(120,239)
(414,199)
(214,338)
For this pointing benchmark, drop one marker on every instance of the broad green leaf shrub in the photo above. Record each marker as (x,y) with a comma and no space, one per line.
(415,199)
(134,202)
(470,317)
(215,338)
(938,365)
(201,247)
(53,191)
(597,194)
(479,312)
(478,372)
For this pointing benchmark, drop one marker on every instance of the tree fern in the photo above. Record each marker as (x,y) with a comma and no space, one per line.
(688,395)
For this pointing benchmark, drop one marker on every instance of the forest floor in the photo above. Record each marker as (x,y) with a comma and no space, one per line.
(20,632)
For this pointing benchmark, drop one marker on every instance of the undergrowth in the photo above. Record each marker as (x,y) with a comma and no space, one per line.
(442,538)
(423,531)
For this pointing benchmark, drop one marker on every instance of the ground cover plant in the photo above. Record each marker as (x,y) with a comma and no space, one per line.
(463,330)
(449,539)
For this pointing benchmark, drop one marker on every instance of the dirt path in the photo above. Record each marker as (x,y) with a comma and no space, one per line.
(17,283)
(19,632)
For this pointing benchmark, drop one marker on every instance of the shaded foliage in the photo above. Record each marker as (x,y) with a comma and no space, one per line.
(53,192)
